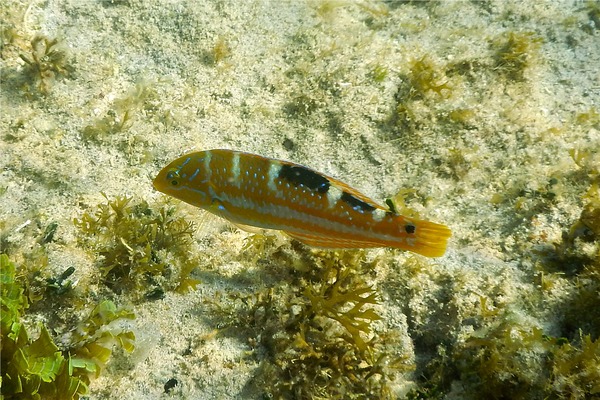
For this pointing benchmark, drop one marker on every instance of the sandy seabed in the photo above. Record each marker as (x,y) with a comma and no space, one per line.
(484,113)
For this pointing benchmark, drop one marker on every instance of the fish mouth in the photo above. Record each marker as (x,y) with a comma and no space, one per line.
(156,181)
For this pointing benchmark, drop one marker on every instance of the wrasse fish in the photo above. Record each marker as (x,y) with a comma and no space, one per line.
(311,207)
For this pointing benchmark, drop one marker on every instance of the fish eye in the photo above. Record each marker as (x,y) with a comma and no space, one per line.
(173,178)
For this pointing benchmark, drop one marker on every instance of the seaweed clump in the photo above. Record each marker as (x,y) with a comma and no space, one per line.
(39,369)
(506,360)
(512,362)
(44,63)
(123,113)
(423,85)
(316,338)
(140,248)
(580,251)
(218,53)
(514,53)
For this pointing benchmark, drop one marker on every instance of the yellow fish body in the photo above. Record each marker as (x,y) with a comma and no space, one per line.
(311,207)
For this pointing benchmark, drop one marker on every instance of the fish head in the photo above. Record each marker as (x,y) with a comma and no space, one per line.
(186,179)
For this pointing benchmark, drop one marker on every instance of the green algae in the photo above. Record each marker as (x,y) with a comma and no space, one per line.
(39,369)
(318,341)
(139,247)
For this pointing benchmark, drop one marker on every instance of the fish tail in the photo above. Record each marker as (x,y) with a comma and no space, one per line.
(431,239)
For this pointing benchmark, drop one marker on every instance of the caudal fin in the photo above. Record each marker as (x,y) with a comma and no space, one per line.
(431,238)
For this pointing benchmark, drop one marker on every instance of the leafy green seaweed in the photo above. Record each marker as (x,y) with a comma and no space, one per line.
(139,247)
(314,338)
(39,369)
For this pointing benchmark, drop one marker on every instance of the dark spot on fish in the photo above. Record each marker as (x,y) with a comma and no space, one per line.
(354,202)
(410,228)
(297,176)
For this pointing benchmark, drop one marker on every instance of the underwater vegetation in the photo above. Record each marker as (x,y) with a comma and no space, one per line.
(428,88)
(319,333)
(124,111)
(505,358)
(424,83)
(316,338)
(218,53)
(424,77)
(577,258)
(140,250)
(134,245)
(41,368)
(508,357)
(513,53)
(509,362)
(45,61)
(505,361)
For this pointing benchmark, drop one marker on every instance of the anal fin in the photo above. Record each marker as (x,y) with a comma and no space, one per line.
(328,242)
(252,229)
